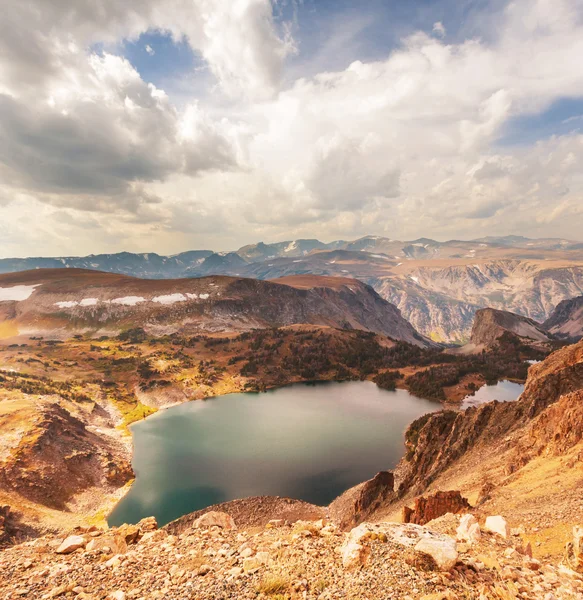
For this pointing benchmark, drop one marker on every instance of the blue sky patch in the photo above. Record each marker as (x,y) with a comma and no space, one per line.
(562,117)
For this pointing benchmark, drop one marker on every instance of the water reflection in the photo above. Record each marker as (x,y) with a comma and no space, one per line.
(503,391)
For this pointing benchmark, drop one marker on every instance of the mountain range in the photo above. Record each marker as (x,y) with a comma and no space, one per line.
(438,286)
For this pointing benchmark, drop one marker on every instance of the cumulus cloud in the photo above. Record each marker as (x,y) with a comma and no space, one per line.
(407,144)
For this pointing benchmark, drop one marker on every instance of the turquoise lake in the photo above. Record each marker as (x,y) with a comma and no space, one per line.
(306,441)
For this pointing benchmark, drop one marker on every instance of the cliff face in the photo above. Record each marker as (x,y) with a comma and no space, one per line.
(491,324)
(62,302)
(566,321)
(440,301)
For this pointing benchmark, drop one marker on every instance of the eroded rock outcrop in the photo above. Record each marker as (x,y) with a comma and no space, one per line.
(360,502)
(566,321)
(436,505)
(491,324)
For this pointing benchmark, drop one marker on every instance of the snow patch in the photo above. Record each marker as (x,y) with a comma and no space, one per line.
(128,300)
(204,296)
(296,261)
(17,292)
(291,246)
(169,298)
(415,279)
(66,304)
(89,302)
(192,296)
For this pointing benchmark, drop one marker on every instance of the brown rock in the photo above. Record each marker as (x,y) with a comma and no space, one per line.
(360,502)
(431,507)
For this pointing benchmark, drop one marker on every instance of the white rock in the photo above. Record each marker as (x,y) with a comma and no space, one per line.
(72,543)
(443,551)
(469,529)
(497,524)
(354,554)
(117,595)
(215,518)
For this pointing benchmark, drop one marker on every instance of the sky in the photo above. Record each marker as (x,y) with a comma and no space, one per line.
(169,125)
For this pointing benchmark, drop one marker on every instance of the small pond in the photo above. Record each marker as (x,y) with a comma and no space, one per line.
(503,391)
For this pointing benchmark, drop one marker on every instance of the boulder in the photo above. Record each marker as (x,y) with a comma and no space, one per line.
(469,529)
(70,544)
(497,524)
(109,542)
(215,518)
(442,551)
(432,507)
(148,524)
(251,564)
(130,533)
(353,554)
(578,547)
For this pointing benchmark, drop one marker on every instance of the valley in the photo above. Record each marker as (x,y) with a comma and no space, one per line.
(85,355)
(91,369)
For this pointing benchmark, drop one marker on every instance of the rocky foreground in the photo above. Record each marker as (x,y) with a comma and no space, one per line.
(453,557)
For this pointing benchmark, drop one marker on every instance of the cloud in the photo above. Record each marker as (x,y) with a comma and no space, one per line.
(149,50)
(439,29)
(240,40)
(404,145)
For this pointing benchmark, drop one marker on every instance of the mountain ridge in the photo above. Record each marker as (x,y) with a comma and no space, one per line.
(63,302)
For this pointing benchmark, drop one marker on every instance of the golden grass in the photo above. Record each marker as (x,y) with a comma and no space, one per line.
(273,584)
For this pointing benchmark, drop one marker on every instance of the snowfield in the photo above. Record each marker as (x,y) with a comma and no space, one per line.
(165,299)
(17,292)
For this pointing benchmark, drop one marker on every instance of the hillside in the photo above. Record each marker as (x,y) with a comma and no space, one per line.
(566,321)
(62,302)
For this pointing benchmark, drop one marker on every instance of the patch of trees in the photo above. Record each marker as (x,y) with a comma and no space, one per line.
(388,380)
(135,335)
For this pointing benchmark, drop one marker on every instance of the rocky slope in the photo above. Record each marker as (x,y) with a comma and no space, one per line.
(311,560)
(63,302)
(566,321)
(437,441)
